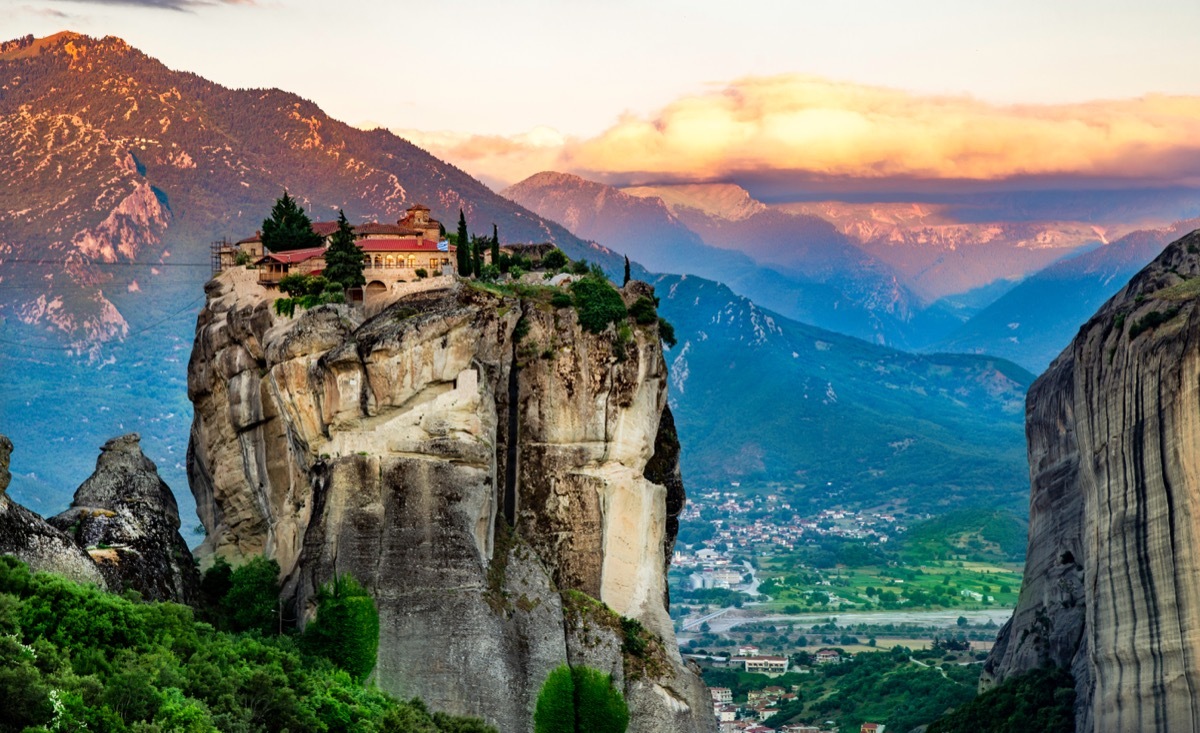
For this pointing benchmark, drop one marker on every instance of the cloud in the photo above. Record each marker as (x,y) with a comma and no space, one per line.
(166,4)
(816,129)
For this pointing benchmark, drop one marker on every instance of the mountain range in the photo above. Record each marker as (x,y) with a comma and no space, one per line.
(124,171)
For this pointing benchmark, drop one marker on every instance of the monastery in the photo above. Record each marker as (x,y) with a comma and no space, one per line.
(394,252)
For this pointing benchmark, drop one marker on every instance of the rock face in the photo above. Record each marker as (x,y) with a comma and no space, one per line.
(127,520)
(26,535)
(469,457)
(1111,585)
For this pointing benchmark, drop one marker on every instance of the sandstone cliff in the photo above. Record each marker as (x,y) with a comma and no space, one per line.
(471,457)
(127,520)
(1111,589)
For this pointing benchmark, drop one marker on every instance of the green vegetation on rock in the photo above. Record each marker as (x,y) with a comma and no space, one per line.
(346,629)
(1040,701)
(580,700)
(597,302)
(73,657)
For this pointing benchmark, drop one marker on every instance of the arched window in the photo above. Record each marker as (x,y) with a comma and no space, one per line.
(391,261)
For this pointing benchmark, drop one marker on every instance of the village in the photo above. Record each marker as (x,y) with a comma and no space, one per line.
(775,605)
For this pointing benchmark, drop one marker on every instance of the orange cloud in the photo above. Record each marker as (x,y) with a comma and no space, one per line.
(821,128)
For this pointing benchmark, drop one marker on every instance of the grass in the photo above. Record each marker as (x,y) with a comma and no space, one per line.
(939,582)
(1185,290)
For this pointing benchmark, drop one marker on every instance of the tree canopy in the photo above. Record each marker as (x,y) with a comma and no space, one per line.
(344,259)
(462,243)
(288,227)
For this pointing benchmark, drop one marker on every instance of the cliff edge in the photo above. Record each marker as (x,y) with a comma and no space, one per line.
(1111,586)
(480,462)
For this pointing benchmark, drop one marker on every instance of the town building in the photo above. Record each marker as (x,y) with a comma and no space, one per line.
(827,656)
(872,728)
(394,253)
(770,666)
(721,694)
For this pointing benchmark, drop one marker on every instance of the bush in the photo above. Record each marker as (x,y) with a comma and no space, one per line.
(118,666)
(1153,319)
(580,700)
(252,603)
(421,273)
(666,332)
(346,629)
(643,311)
(560,300)
(580,267)
(489,273)
(598,303)
(554,259)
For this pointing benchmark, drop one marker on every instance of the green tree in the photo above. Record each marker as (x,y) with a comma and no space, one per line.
(288,227)
(463,246)
(253,599)
(346,629)
(477,245)
(598,303)
(580,700)
(599,707)
(344,259)
(555,709)
(626,282)
(555,259)
(495,245)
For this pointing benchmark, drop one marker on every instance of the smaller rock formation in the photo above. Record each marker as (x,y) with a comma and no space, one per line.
(28,536)
(125,517)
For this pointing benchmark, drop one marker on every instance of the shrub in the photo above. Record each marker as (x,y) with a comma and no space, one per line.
(421,273)
(83,659)
(242,258)
(489,273)
(554,259)
(252,603)
(555,709)
(643,311)
(598,303)
(346,629)
(580,267)
(1153,319)
(580,700)
(666,332)
(516,272)
(560,300)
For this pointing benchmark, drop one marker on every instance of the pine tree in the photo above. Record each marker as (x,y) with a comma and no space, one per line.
(477,255)
(626,271)
(288,227)
(495,246)
(463,245)
(344,258)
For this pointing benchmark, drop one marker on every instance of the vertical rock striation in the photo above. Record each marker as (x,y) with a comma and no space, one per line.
(1111,584)
(469,457)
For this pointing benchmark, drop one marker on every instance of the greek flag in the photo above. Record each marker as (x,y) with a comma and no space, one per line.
(444,245)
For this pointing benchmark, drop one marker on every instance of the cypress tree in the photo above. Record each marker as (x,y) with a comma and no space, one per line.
(288,227)
(477,255)
(626,271)
(463,246)
(344,258)
(495,245)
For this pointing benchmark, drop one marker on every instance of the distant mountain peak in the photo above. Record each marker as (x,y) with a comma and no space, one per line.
(722,200)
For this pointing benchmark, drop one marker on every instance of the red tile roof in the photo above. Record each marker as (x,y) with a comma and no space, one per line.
(293,256)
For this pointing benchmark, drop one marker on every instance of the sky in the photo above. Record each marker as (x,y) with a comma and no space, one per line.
(865,90)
